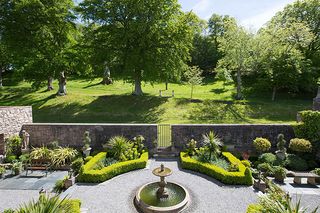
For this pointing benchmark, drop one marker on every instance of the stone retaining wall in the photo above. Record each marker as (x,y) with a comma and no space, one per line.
(239,136)
(12,119)
(72,134)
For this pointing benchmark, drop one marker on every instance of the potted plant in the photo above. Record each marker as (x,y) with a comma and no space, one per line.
(2,171)
(16,167)
(281,152)
(279,173)
(86,149)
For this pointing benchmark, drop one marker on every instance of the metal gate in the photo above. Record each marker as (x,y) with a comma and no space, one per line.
(164,135)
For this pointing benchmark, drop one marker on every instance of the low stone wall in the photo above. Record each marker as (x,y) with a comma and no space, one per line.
(238,136)
(12,119)
(72,134)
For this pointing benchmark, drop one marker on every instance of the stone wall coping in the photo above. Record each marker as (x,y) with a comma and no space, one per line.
(14,107)
(213,125)
(86,124)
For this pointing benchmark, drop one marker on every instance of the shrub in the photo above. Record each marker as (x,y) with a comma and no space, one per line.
(279,172)
(59,185)
(89,174)
(49,204)
(262,144)
(76,165)
(13,145)
(316,171)
(267,158)
(118,146)
(62,156)
(295,162)
(41,153)
(87,159)
(24,158)
(309,128)
(300,145)
(246,163)
(242,177)
(10,158)
(265,168)
(2,170)
(281,143)
(213,144)
(191,147)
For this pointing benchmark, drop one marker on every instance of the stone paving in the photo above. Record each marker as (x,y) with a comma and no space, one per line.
(208,195)
(17,190)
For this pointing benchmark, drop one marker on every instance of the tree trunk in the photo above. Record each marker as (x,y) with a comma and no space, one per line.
(62,85)
(1,78)
(239,94)
(166,85)
(137,87)
(191,91)
(49,84)
(274,93)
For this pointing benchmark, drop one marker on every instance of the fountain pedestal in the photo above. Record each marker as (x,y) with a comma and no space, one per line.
(162,172)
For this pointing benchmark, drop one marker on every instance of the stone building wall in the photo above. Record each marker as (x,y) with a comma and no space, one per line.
(237,136)
(72,134)
(12,119)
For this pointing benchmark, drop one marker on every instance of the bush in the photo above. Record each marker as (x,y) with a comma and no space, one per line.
(267,158)
(265,168)
(316,171)
(87,159)
(76,165)
(262,144)
(10,158)
(279,172)
(89,174)
(295,162)
(242,177)
(300,145)
(246,163)
(13,145)
(309,128)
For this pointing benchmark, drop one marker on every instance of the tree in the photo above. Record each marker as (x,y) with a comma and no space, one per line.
(147,40)
(39,34)
(193,77)
(5,60)
(235,45)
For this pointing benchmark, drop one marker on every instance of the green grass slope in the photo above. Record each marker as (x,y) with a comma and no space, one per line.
(90,102)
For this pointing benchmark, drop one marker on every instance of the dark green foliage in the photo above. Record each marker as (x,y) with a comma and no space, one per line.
(191,147)
(279,172)
(138,143)
(265,168)
(76,165)
(281,142)
(295,162)
(24,158)
(300,145)
(89,173)
(110,161)
(267,158)
(241,177)
(13,145)
(10,158)
(59,186)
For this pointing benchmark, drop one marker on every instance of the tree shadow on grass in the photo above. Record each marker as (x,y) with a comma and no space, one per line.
(104,109)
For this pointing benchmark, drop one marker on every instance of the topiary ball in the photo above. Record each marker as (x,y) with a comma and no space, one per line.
(300,145)
(262,144)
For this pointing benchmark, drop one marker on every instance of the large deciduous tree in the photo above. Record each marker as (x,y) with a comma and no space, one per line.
(235,44)
(140,40)
(38,33)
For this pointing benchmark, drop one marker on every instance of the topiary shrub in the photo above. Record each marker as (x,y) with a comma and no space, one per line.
(300,145)
(295,162)
(261,145)
(279,173)
(246,163)
(241,177)
(76,165)
(267,158)
(266,168)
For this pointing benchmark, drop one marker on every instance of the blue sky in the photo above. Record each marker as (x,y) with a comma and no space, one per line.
(250,13)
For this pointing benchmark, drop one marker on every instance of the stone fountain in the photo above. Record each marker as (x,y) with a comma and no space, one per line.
(162,196)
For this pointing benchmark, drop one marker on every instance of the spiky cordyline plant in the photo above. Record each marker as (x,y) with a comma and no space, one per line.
(118,145)
(213,143)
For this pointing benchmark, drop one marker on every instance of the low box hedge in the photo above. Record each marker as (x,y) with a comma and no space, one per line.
(242,177)
(90,175)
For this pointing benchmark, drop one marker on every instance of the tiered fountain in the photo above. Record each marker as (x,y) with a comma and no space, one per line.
(162,196)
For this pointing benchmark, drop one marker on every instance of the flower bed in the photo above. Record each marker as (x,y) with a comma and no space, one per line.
(242,177)
(89,174)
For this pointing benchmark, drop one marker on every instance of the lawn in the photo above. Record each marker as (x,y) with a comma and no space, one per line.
(90,102)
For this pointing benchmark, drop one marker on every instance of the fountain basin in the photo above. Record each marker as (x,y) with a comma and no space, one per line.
(146,198)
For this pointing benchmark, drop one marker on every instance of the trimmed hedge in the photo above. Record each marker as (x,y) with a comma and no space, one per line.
(242,177)
(90,175)
(74,205)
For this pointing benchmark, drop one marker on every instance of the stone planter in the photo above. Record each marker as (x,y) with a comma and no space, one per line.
(260,185)
(87,151)
(69,182)
(279,178)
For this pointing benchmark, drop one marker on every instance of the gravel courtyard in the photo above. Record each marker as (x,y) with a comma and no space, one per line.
(208,195)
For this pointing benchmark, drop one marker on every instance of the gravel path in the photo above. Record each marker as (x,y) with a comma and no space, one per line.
(208,195)
(13,198)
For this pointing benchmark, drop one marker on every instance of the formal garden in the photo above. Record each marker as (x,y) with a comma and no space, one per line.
(155,106)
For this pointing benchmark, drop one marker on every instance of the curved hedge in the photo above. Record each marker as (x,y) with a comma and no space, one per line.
(242,177)
(88,174)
